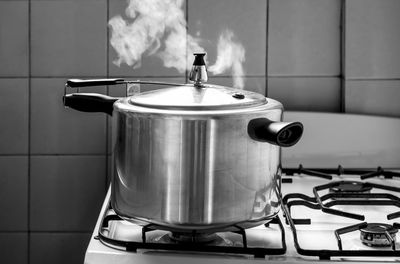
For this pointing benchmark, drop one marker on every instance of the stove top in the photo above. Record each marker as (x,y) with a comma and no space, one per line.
(327,215)
(343,213)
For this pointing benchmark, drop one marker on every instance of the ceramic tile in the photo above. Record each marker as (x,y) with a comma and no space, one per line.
(14,193)
(304,38)
(150,65)
(14,113)
(247,19)
(14,38)
(14,248)
(65,248)
(63,0)
(353,141)
(373,97)
(372,39)
(66,192)
(68,38)
(306,94)
(59,130)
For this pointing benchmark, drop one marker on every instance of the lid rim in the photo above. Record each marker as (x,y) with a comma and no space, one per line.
(210,97)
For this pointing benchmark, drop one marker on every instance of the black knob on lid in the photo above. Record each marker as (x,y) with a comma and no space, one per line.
(199,59)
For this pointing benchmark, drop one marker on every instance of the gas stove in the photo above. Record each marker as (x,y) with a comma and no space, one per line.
(329,213)
(326,215)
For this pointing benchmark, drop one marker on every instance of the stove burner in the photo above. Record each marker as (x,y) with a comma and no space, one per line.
(378,235)
(178,241)
(198,239)
(193,238)
(350,187)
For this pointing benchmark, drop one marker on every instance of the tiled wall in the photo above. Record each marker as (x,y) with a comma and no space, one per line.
(312,55)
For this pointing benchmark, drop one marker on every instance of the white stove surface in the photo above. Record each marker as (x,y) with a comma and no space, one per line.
(318,235)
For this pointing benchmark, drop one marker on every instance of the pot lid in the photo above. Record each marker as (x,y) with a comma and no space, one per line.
(190,97)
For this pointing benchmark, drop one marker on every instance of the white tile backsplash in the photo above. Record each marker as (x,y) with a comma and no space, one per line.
(372,39)
(14,248)
(14,35)
(14,115)
(304,38)
(306,94)
(374,97)
(59,130)
(66,192)
(149,65)
(69,38)
(246,19)
(60,248)
(14,193)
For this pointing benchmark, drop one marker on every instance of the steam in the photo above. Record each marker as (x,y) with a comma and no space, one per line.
(158,28)
(231,54)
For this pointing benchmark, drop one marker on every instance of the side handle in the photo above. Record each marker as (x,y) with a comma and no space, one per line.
(283,134)
(90,102)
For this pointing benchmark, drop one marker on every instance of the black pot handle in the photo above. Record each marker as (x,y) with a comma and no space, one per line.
(74,83)
(90,102)
(283,134)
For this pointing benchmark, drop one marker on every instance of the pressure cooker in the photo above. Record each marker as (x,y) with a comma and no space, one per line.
(193,156)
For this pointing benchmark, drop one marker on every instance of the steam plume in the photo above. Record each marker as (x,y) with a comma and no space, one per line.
(158,28)
(230,54)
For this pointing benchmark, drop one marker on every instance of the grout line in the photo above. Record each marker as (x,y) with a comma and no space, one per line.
(107,91)
(87,76)
(371,79)
(62,232)
(216,77)
(266,48)
(29,128)
(62,154)
(187,32)
(182,76)
(68,155)
(304,76)
(15,77)
(342,57)
(16,155)
(13,232)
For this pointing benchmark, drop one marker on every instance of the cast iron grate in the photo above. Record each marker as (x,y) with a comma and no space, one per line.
(133,246)
(351,197)
(327,173)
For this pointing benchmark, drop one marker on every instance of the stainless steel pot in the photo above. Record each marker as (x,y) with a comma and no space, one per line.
(195,156)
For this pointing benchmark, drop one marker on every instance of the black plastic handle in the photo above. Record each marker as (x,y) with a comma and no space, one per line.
(90,102)
(199,59)
(283,134)
(93,82)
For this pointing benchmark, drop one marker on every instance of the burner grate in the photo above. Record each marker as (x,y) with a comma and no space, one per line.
(327,173)
(346,193)
(326,254)
(356,198)
(327,201)
(133,246)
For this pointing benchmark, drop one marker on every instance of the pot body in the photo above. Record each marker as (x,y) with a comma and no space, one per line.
(190,170)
